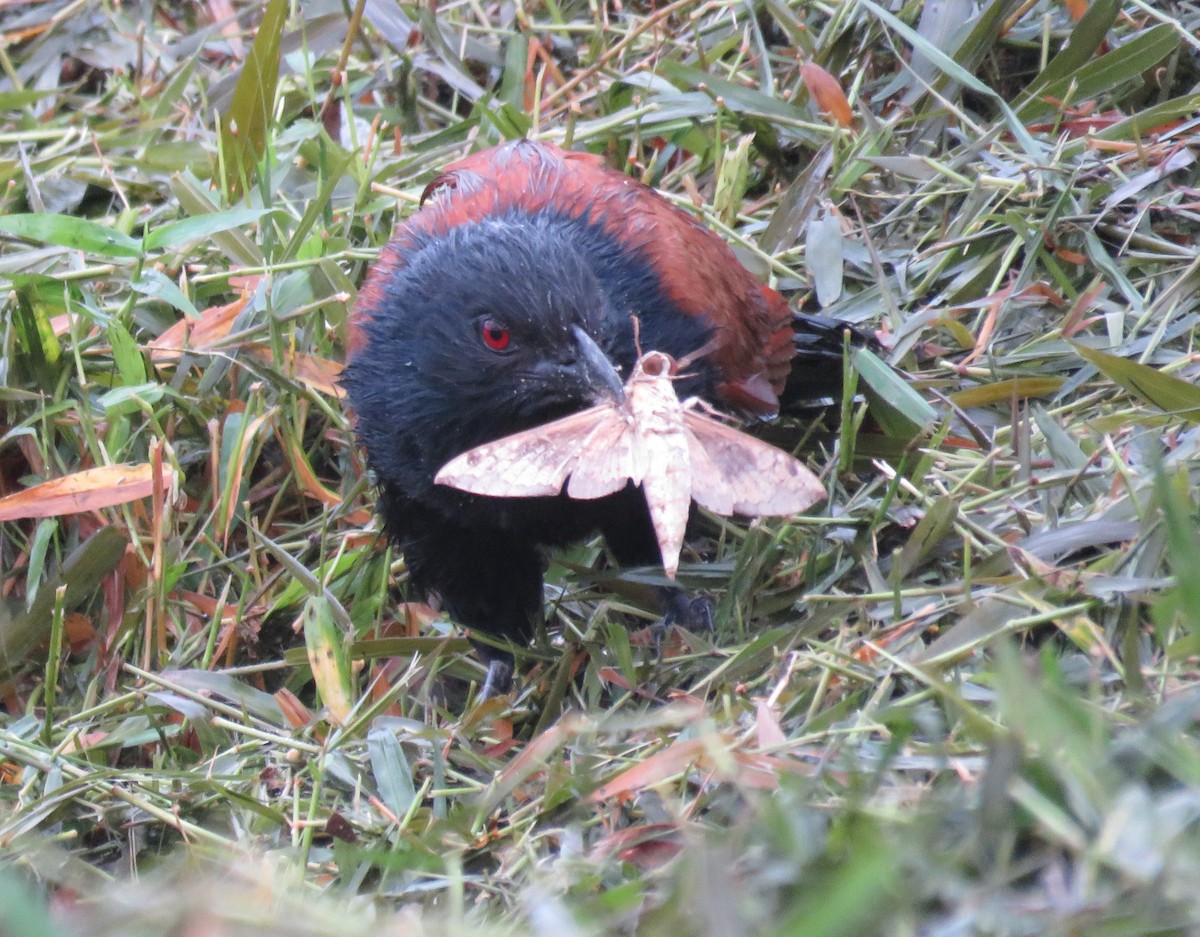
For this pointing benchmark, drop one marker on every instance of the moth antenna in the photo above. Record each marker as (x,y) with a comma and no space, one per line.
(704,350)
(637,335)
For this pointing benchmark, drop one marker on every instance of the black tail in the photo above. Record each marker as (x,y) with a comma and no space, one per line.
(816,375)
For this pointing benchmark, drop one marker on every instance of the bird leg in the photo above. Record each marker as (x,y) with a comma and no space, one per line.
(487,579)
(498,679)
(691,614)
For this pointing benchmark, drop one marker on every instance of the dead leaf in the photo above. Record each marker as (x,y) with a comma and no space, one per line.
(531,760)
(294,711)
(309,483)
(995,302)
(671,761)
(83,741)
(79,630)
(238,463)
(648,845)
(1075,321)
(88,490)
(768,730)
(1077,8)
(222,12)
(827,93)
(319,374)
(197,334)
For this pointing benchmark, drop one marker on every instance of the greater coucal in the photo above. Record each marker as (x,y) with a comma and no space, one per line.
(508,301)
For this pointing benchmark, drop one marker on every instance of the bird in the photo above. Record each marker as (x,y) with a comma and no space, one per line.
(511,298)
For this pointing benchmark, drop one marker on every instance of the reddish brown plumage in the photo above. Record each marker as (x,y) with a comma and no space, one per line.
(752,324)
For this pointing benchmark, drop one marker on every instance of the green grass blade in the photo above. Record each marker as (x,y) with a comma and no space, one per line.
(1170,394)
(77,233)
(244,125)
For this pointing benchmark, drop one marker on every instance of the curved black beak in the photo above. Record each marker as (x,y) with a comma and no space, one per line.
(597,371)
(578,373)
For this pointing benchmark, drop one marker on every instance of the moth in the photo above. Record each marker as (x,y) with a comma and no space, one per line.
(675,452)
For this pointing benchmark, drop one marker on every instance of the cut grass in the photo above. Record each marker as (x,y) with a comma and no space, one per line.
(964,699)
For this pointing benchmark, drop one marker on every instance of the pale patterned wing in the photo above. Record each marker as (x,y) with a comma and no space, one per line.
(733,473)
(533,462)
(708,486)
(612,459)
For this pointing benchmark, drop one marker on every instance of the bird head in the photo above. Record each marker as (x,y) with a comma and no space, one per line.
(485,330)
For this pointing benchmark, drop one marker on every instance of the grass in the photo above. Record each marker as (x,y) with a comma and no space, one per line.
(962,699)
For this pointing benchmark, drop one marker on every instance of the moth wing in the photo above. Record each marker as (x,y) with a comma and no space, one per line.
(608,460)
(733,473)
(710,488)
(529,463)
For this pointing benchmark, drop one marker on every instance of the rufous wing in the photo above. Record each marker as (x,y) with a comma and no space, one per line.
(733,473)
(539,461)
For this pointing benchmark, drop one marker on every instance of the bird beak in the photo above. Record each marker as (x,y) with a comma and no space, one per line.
(596,370)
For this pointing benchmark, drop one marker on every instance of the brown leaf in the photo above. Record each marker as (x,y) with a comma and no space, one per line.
(995,302)
(1077,8)
(648,845)
(612,675)
(198,334)
(671,761)
(222,12)
(88,490)
(294,711)
(309,483)
(1075,321)
(315,372)
(238,463)
(83,741)
(768,730)
(532,759)
(339,827)
(79,630)
(827,93)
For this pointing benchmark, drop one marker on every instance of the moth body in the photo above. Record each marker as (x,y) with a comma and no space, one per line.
(662,437)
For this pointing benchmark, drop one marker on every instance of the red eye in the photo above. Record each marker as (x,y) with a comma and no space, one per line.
(495,335)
